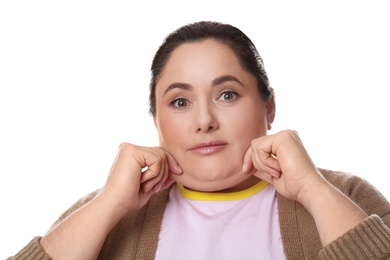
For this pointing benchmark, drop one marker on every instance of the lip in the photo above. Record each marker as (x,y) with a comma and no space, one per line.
(208,148)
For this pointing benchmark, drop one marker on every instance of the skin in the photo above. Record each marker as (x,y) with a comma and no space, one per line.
(282,160)
(204,95)
(204,113)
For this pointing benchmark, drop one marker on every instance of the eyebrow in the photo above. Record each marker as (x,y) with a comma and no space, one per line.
(225,78)
(184,86)
(215,82)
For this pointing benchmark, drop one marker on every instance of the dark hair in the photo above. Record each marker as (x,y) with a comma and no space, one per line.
(241,45)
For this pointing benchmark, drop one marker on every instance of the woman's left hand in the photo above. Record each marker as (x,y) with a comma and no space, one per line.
(282,160)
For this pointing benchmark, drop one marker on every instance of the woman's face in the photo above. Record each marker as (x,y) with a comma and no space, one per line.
(208,110)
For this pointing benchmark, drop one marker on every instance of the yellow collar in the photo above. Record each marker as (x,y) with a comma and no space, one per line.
(222,196)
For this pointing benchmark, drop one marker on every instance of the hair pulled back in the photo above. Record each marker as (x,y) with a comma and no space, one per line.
(240,44)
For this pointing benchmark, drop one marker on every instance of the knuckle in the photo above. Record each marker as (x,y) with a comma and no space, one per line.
(153,173)
(290,133)
(126,148)
(123,145)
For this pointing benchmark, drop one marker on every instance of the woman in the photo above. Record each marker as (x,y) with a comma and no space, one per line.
(218,187)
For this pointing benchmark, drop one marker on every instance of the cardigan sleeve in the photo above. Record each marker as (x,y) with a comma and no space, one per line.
(370,239)
(33,250)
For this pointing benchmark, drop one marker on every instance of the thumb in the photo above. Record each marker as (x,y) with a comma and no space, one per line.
(247,164)
(173,165)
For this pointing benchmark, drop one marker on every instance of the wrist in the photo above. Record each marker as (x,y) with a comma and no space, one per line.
(333,212)
(313,191)
(109,203)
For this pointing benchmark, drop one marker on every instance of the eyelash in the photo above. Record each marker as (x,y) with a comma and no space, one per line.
(174,102)
(235,94)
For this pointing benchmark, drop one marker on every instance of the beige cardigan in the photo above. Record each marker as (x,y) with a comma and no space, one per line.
(136,235)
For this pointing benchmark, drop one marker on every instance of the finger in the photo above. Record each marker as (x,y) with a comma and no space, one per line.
(264,176)
(173,165)
(168,182)
(158,180)
(263,150)
(162,177)
(247,164)
(149,183)
(265,162)
(151,177)
(147,174)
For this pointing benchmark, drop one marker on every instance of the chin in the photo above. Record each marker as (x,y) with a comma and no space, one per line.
(207,184)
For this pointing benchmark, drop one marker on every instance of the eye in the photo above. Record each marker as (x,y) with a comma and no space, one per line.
(228,95)
(179,103)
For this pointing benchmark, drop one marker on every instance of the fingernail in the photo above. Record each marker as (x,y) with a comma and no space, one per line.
(158,188)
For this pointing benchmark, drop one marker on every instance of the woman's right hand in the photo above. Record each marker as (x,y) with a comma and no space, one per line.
(137,173)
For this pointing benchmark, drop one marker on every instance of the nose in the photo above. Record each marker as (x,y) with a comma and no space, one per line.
(206,120)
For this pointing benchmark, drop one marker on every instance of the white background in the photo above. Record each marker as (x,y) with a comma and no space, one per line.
(74,81)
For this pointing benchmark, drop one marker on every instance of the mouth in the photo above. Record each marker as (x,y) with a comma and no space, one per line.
(208,148)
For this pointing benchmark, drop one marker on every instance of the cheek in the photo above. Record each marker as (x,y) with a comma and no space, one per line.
(248,125)
(170,131)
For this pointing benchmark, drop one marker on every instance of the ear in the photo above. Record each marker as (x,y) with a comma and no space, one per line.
(271,110)
(156,124)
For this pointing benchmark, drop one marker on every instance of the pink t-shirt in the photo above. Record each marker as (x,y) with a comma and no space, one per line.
(238,225)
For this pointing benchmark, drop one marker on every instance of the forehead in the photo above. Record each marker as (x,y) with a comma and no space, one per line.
(201,61)
(206,51)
